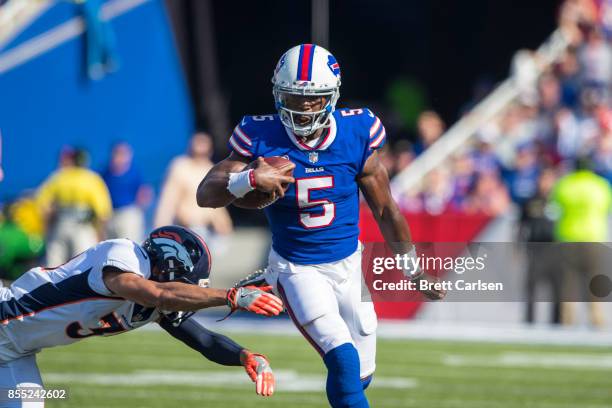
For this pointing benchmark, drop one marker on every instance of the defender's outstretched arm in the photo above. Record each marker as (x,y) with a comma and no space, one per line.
(178,296)
(214,346)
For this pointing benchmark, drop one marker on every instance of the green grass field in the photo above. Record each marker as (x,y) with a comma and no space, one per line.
(150,369)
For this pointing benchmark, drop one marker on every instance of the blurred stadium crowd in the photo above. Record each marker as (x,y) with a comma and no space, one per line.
(560,129)
(533,142)
(75,207)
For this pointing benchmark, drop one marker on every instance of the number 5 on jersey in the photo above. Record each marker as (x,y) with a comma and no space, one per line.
(303,187)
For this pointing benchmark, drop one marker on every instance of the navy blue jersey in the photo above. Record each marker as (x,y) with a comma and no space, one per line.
(317,220)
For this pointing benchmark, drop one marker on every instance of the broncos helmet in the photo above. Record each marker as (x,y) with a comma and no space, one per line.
(180,255)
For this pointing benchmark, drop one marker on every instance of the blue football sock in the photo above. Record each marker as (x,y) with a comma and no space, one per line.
(344,388)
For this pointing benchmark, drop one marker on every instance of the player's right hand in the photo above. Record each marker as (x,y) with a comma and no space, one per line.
(254,300)
(259,370)
(271,179)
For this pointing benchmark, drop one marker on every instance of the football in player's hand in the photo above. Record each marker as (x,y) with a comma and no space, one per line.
(256,199)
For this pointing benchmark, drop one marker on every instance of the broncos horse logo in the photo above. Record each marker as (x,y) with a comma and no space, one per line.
(174,253)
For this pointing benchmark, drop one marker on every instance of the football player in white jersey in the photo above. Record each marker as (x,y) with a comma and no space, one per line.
(117,286)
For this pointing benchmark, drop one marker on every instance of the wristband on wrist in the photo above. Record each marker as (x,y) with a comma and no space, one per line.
(252,179)
(411,272)
(241,183)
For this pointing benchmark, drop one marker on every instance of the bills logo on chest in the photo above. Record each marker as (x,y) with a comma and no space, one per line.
(313,158)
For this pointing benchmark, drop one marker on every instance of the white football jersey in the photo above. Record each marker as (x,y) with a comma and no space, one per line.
(50,307)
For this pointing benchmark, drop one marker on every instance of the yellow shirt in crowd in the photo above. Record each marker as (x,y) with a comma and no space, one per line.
(76,187)
(584,200)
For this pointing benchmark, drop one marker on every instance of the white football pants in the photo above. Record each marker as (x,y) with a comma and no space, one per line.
(324,302)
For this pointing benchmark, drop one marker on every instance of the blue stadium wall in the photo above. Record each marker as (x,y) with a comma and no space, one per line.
(47,101)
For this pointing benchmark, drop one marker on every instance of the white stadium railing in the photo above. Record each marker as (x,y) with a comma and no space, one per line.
(527,68)
(15,15)
(55,36)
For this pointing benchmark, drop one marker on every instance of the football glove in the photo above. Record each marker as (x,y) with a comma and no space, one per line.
(254,279)
(255,300)
(259,370)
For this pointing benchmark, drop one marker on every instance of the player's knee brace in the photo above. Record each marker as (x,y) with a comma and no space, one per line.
(344,388)
(365,382)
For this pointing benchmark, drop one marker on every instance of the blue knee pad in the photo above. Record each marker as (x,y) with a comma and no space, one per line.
(365,382)
(344,388)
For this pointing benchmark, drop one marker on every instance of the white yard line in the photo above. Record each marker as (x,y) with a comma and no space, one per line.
(287,380)
(533,360)
(135,396)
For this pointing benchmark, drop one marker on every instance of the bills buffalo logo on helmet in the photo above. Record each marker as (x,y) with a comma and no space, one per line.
(333,65)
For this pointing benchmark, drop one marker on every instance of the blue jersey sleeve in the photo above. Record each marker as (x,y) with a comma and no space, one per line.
(376,134)
(242,141)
